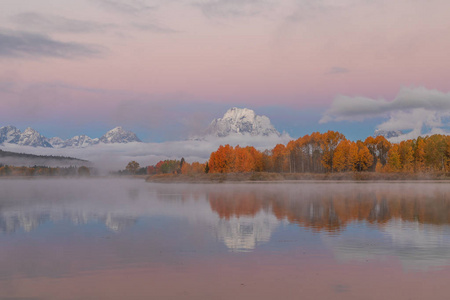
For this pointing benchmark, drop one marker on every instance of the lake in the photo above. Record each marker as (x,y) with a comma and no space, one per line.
(128,239)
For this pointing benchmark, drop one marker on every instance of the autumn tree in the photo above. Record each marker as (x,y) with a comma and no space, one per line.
(364,159)
(341,157)
(280,158)
(132,167)
(84,171)
(329,141)
(405,149)
(393,160)
(435,152)
(419,155)
(222,161)
(194,168)
(382,148)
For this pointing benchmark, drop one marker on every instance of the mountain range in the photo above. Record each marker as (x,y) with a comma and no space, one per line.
(236,121)
(30,137)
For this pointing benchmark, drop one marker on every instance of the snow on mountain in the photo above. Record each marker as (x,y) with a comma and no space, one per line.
(119,135)
(56,142)
(30,137)
(9,133)
(387,133)
(80,141)
(241,121)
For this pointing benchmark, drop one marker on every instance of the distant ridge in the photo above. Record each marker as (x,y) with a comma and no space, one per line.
(25,159)
(26,155)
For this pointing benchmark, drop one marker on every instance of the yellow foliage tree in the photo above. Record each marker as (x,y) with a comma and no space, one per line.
(393,160)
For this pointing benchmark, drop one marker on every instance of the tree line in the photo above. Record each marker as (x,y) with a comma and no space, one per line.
(332,152)
(6,170)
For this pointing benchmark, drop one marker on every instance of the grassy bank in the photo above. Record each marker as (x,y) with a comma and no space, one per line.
(264,176)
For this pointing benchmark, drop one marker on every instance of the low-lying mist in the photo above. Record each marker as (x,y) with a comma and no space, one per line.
(112,157)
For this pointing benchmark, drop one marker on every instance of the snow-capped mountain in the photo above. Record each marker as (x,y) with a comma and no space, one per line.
(119,135)
(56,142)
(30,137)
(387,133)
(241,121)
(9,133)
(79,141)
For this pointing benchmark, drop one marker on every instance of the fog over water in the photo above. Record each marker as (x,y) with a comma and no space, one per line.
(204,240)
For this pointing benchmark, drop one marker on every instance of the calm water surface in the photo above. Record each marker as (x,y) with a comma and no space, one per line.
(127,239)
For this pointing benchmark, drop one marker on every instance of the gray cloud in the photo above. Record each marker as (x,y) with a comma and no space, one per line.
(345,108)
(418,110)
(32,45)
(307,10)
(131,7)
(154,28)
(338,70)
(230,8)
(51,23)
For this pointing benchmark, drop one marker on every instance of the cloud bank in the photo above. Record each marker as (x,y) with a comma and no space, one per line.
(32,45)
(231,8)
(132,7)
(54,23)
(417,110)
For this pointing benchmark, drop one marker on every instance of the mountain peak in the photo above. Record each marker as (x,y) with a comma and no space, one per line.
(119,135)
(387,133)
(241,121)
(29,137)
(30,130)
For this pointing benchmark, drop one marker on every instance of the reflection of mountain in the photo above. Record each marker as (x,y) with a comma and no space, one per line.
(119,223)
(12,221)
(245,233)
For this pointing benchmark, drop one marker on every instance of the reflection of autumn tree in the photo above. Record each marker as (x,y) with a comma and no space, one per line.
(235,204)
(333,211)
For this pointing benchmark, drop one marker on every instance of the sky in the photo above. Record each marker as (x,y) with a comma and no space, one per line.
(165,69)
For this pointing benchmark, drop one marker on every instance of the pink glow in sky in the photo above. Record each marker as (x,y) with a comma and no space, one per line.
(255,53)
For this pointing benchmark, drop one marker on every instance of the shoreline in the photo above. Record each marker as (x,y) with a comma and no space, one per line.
(256,177)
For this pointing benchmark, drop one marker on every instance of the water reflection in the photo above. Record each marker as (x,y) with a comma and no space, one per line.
(331,207)
(164,241)
(358,222)
(243,234)
(417,246)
